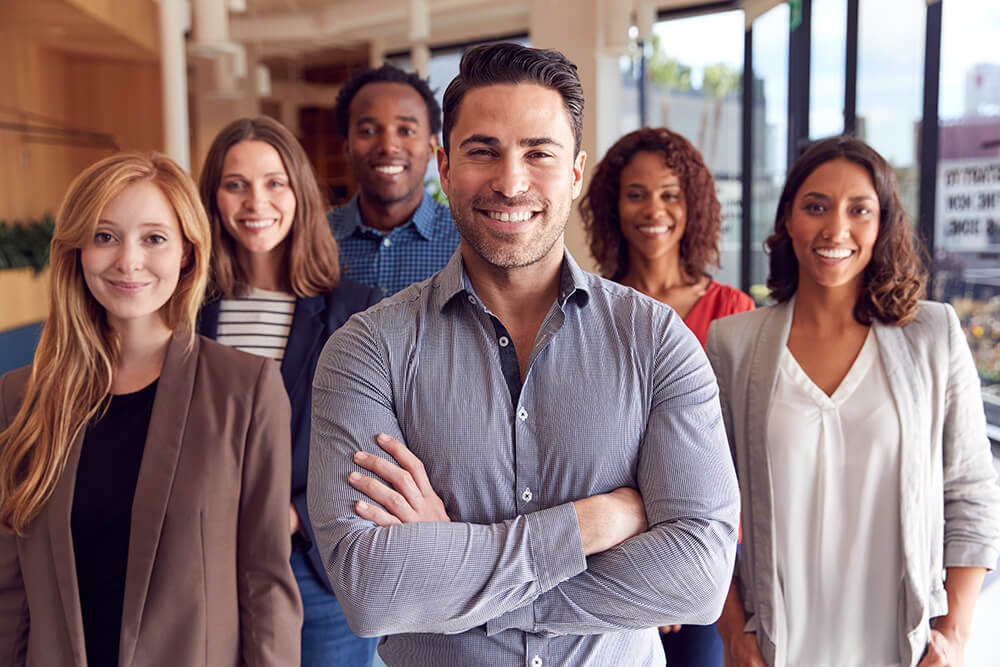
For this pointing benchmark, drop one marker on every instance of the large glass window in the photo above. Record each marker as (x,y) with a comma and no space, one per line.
(770,134)
(891,86)
(967,222)
(695,75)
(826,68)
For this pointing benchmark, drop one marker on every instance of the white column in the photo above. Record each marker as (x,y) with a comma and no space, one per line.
(420,33)
(173,70)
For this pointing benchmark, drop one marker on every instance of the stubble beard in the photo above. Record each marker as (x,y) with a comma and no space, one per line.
(511,250)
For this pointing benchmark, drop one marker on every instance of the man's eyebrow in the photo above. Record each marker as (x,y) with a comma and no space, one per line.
(531,142)
(527,142)
(480,139)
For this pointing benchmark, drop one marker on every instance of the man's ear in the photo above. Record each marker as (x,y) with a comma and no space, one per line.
(578,163)
(443,169)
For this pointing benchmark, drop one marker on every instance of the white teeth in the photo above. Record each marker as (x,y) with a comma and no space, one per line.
(834,253)
(259,224)
(649,229)
(517,216)
(391,170)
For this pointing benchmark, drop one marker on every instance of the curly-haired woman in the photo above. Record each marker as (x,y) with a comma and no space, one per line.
(654,221)
(854,412)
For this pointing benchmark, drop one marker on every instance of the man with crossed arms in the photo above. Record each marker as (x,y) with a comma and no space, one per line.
(557,414)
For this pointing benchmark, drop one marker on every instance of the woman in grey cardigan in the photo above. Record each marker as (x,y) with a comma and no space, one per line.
(854,413)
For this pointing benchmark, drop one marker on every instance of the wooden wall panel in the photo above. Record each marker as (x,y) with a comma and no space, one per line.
(47,87)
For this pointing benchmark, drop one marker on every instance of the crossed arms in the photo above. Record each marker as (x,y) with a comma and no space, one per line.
(581,567)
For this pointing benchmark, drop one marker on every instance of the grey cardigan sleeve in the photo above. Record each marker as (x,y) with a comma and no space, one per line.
(971,494)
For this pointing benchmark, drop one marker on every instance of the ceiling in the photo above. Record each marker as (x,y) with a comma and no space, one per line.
(311,29)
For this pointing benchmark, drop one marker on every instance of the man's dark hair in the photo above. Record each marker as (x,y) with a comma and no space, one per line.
(383,74)
(509,63)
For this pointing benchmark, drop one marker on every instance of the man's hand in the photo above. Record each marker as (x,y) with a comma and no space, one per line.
(294,523)
(411,499)
(667,629)
(945,649)
(741,650)
(608,519)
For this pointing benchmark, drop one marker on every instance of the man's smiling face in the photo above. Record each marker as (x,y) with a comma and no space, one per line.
(511,176)
(389,142)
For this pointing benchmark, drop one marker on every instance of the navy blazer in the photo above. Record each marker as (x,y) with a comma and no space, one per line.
(315,318)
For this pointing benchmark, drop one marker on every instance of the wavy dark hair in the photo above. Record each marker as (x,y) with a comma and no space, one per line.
(699,246)
(313,265)
(896,278)
(510,63)
(384,74)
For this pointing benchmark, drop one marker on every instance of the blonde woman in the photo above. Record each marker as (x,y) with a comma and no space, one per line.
(143,470)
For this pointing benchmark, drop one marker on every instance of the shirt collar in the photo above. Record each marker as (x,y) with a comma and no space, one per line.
(454,281)
(351,222)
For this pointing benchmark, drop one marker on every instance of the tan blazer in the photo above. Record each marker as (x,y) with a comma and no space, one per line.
(208,579)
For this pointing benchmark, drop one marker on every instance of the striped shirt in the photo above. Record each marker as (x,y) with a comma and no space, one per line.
(258,323)
(618,392)
(396,259)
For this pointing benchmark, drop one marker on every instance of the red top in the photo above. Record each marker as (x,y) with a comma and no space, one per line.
(718,301)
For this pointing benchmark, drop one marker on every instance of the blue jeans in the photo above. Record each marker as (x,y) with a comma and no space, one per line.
(693,646)
(327,641)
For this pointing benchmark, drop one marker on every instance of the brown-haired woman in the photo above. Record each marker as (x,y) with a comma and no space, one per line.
(654,221)
(870,508)
(276,291)
(143,469)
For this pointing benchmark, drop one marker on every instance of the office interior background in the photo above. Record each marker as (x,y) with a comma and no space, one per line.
(749,82)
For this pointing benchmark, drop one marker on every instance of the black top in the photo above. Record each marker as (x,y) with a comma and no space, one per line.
(102,514)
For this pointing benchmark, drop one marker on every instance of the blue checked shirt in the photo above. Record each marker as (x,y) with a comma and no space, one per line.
(394,260)
(618,393)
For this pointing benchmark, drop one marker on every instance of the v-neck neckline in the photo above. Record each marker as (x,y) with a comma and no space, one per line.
(852,380)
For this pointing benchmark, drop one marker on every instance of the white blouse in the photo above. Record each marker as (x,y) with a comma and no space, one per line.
(835,468)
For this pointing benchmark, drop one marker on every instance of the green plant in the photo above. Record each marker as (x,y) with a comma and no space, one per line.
(26,243)
(433,186)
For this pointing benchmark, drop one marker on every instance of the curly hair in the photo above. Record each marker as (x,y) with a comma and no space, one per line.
(896,278)
(699,246)
(383,74)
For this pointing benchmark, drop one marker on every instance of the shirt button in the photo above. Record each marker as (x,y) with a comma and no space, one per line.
(504,341)
(385,291)
(526,497)
(386,242)
(522,414)
(472,299)
(536,661)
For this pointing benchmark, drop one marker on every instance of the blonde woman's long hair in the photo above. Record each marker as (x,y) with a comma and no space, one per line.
(70,380)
